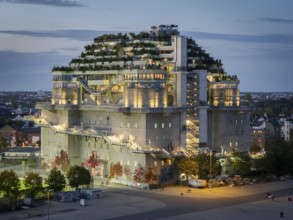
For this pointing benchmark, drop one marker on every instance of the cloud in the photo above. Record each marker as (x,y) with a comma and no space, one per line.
(33,44)
(57,3)
(276,20)
(266,38)
(89,35)
(83,35)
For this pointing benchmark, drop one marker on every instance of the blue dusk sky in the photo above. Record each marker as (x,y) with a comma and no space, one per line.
(253,38)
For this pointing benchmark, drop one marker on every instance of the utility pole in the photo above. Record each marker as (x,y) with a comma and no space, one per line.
(210,169)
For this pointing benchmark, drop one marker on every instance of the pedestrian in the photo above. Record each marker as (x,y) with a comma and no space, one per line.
(268,195)
(281,214)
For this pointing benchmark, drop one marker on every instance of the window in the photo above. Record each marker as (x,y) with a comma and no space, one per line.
(135,163)
(128,162)
(163,125)
(170,125)
(128,125)
(156,125)
(135,125)
(155,163)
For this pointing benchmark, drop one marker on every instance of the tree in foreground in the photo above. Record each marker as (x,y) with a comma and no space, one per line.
(9,186)
(278,158)
(56,180)
(241,162)
(189,166)
(33,183)
(77,176)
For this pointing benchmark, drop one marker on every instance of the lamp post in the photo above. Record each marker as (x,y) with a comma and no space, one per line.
(48,198)
(210,169)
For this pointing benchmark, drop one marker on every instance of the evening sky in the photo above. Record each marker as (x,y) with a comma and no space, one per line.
(253,38)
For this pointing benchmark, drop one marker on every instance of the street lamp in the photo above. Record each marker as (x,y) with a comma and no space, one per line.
(48,198)
(210,152)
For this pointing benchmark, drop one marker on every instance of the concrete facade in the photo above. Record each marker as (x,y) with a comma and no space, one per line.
(129,118)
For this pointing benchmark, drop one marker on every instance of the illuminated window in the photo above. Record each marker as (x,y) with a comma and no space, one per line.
(135,125)
(230,144)
(156,125)
(155,163)
(128,125)
(128,162)
(170,125)
(163,125)
(163,163)
(135,163)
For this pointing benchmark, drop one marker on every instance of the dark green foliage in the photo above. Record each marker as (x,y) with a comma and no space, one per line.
(241,162)
(189,166)
(78,176)
(33,183)
(56,180)
(9,185)
(278,158)
(274,107)
(205,165)
(255,148)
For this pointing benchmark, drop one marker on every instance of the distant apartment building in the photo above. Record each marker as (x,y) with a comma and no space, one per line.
(287,129)
(131,102)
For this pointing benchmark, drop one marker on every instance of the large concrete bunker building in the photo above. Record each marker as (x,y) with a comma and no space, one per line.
(130,102)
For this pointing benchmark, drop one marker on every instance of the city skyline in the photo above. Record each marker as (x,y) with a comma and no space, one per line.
(253,39)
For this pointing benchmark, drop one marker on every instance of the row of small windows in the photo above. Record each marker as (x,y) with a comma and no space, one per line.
(136,163)
(146,85)
(62,77)
(144,76)
(231,144)
(237,121)
(156,125)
